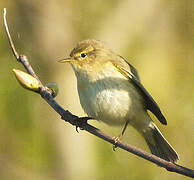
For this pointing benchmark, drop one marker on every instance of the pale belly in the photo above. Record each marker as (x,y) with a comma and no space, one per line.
(113,101)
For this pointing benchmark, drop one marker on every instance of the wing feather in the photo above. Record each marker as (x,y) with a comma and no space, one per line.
(132,74)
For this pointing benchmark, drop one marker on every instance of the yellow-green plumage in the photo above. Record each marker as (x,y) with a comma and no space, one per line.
(110,91)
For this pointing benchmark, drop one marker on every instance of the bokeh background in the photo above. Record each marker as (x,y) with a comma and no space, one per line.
(156,36)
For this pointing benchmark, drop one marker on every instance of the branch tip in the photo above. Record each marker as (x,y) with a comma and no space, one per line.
(4,11)
(8,35)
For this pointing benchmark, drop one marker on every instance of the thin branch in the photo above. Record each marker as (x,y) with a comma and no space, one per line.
(21,58)
(82,122)
(8,35)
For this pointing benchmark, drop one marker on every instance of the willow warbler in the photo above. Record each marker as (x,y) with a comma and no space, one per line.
(110,91)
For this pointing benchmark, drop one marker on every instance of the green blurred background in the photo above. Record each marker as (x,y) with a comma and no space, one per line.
(156,36)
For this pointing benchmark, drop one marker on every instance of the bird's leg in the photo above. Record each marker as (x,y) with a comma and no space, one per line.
(118,138)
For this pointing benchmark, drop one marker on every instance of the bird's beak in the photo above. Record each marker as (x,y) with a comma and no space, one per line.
(69,59)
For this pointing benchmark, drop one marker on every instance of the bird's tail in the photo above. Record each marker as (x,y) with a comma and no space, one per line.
(159,145)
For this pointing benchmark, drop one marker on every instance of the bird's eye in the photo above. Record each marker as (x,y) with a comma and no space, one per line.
(83,55)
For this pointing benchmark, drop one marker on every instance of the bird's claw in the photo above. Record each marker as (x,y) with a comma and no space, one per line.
(76,128)
(80,121)
(116,140)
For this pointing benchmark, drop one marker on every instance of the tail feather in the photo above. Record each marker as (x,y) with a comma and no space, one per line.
(159,145)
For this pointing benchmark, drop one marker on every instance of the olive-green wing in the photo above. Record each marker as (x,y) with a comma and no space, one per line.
(151,105)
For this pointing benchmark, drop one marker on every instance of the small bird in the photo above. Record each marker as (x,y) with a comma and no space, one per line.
(110,90)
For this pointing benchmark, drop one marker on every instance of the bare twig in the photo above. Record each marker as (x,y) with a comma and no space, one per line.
(21,58)
(82,122)
(9,36)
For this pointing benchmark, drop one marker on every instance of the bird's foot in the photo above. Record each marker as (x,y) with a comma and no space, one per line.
(116,140)
(80,122)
